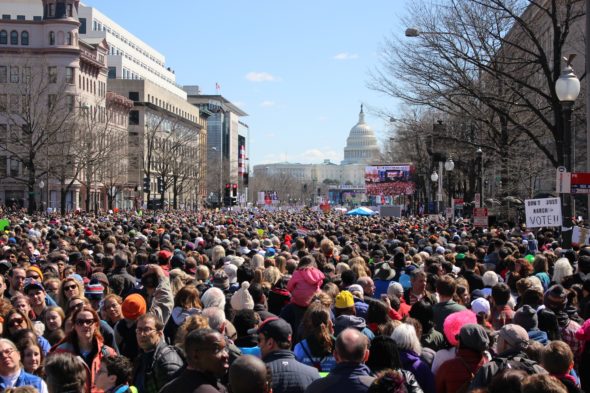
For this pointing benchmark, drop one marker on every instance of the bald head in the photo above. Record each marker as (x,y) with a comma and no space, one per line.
(351,346)
(248,374)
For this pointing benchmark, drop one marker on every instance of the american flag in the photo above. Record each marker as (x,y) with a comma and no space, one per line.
(217,87)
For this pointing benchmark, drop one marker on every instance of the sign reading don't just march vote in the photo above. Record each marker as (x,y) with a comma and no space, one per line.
(545,212)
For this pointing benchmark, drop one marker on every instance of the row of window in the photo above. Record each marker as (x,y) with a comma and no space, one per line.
(60,38)
(14,37)
(15,74)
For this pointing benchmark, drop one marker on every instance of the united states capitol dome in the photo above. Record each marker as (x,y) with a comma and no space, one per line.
(361,144)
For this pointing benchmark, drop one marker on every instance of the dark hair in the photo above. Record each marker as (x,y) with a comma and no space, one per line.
(196,339)
(384,354)
(540,383)
(423,312)
(507,381)
(557,357)
(65,372)
(157,322)
(316,322)
(501,294)
(532,297)
(244,320)
(120,367)
(378,312)
(469,261)
(256,292)
(446,286)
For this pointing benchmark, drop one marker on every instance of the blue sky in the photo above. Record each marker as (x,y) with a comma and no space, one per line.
(298,68)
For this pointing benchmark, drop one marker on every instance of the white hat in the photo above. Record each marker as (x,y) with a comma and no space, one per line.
(242,300)
(480,305)
(232,272)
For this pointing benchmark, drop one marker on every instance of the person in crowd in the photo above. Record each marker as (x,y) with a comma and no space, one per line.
(510,348)
(249,374)
(158,363)
(350,375)
(69,288)
(186,303)
(31,356)
(305,282)
(288,375)
(111,310)
(456,374)
(418,289)
(542,384)
(12,374)
(502,313)
(114,375)
(207,360)
(410,351)
(318,342)
(527,317)
(246,321)
(558,359)
(85,340)
(133,307)
(446,288)
(65,372)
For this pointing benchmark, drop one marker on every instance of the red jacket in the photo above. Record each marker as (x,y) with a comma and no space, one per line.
(454,373)
(103,351)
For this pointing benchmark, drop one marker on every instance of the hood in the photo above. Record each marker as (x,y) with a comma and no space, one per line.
(312,276)
(349,321)
(179,314)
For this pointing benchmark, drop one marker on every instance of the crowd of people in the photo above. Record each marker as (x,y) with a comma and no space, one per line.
(289,302)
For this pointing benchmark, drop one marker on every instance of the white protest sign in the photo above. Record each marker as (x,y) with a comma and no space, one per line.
(581,235)
(545,212)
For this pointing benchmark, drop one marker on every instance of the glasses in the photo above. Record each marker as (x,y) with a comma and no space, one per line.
(70,287)
(15,321)
(7,352)
(145,331)
(84,322)
(216,350)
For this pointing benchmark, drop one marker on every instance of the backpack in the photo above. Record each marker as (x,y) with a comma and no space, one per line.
(516,362)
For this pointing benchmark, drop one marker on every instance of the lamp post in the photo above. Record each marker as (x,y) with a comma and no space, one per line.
(479,154)
(435,178)
(567,88)
(449,166)
(41,186)
(219,198)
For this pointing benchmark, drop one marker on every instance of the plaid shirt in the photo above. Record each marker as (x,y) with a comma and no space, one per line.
(568,336)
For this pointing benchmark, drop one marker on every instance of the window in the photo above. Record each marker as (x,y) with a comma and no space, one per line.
(20,17)
(14,103)
(134,118)
(52,74)
(51,10)
(70,75)
(70,102)
(14,74)
(5,17)
(69,10)
(14,37)
(3,37)
(37,18)
(134,96)
(3,74)
(24,38)
(2,166)
(82,28)
(26,78)
(52,38)
(69,39)
(13,167)
(3,102)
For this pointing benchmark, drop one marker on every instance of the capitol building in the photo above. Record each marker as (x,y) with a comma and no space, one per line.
(361,150)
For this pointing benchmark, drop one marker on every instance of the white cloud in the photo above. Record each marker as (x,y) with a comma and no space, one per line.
(260,77)
(346,56)
(267,104)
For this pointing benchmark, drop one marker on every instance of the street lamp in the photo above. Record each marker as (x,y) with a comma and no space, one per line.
(567,88)
(449,166)
(479,154)
(220,175)
(434,177)
(41,186)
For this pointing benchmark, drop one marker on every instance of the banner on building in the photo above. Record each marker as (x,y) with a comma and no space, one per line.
(389,180)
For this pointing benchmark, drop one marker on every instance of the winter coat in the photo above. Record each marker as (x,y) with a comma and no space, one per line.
(539,336)
(456,372)
(92,365)
(289,375)
(152,370)
(513,359)
(26,379)
(346,377)
(443,309)
(414,363)
(305,354)
(193,381)
(304,284)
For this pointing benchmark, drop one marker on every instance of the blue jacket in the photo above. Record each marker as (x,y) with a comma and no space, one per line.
(289,375)
(303,354)
(539,335)
(345,378)
(25,379)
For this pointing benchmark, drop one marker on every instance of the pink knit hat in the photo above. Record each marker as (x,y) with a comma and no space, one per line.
(454,322)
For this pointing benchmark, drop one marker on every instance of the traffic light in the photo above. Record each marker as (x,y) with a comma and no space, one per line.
(146,184)
(234,190)
(160,186)
(227,190)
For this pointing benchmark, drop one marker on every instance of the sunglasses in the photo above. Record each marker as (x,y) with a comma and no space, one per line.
(15,321)
(70,287)
(84,322)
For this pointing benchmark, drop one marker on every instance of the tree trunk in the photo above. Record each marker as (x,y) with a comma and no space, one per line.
(62,198)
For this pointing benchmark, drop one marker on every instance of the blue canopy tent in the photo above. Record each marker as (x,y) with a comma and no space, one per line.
(361,211)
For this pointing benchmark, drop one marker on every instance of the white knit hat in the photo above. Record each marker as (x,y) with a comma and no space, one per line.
(242,300)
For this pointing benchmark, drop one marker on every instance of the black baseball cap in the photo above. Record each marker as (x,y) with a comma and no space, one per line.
(275,328)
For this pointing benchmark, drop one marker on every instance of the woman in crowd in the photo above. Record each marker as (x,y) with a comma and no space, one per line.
(186,303)
(68,289)
(111,309)
(318,344)
(85,340)
(410,350)
(15,321)
(31,356)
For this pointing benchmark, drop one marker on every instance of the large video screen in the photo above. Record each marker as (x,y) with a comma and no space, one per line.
(389,180)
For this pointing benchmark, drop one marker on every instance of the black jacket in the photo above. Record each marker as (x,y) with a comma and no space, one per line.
(192,381)
(289,375)
(344,378)
(152,370)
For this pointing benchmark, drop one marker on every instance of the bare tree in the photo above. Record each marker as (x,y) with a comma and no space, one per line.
(37,108)
(494,62)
